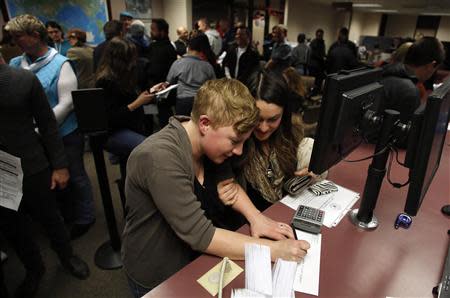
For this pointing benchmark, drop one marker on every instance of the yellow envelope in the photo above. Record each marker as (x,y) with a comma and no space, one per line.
(210,280)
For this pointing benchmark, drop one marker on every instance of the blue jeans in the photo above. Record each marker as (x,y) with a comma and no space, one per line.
(122,142)
(80,185)
(137,290)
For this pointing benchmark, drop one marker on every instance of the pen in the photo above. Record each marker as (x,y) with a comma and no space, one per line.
(295,233)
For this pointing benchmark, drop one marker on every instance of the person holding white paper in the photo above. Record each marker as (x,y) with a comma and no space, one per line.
(44,166)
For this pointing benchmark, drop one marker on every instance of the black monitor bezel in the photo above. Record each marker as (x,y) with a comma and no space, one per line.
(418,185)
(335,86)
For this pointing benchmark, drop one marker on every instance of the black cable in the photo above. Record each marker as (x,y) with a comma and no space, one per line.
(365,158)
(394,184)
(396,156)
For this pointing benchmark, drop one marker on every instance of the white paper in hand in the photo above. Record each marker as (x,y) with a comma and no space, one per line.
(11,180)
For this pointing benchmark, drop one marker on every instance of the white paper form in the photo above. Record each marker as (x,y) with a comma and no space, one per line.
(335,204)
(258,269)
(11,178)
(308,270)
(283,279)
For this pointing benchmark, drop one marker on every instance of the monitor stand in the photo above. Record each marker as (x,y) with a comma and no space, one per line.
(363,217)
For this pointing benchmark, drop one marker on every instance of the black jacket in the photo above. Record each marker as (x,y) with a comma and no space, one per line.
(181,47)
(117,101)
(317,47)
(23,102)
(98,53)
(400,91)
(248,62)
(342,55)
(161,55)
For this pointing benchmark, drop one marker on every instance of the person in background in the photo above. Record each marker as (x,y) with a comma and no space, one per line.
(182,41)
(300,55)
(190,72)
(317,61)
(227,32)
(399,79)
(58,80)
(23,108)
(56,35)
(277,149)
(241,58)
(165,226)
(126,18)
(8,49)
(161,55)
(136,34)
(343,54)
(297,90)
(213,36)
(82,58)
(279,33)
(110,29)
(117,75)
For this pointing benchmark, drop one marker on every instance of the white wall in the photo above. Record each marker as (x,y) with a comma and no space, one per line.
(400,25)
(364,24)
(443,32)
(306,17)
(116,7)
(177,13)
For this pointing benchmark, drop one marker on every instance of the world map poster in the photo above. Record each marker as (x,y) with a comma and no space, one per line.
(88,15)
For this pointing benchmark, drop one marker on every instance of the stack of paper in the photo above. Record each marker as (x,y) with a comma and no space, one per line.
(258,271)
(283,279)
(245,293)
(308,270)
(335,204)
(286,277)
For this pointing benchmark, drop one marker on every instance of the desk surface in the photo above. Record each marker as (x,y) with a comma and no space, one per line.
(356,263)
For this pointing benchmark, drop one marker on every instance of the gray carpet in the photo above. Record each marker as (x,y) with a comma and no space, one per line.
(58,283)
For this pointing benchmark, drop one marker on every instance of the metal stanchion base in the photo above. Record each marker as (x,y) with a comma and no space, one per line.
(107,258)
(373,224)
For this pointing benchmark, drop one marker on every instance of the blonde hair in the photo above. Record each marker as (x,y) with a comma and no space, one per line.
(28,24)
(226,102)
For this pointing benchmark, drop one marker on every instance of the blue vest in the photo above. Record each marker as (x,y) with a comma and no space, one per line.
(48,75)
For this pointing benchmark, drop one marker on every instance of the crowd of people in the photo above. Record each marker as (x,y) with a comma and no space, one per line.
(230,135)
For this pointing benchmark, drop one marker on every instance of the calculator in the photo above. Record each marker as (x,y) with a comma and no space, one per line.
(308,219)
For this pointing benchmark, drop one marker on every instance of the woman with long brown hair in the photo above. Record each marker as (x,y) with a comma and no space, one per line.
(117,75)
(277,150)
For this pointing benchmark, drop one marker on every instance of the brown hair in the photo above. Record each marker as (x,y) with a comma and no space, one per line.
(294,80)
(227,102)
(79,34)
(119,64)
(284,141)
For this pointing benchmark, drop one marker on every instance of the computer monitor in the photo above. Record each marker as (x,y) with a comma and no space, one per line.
(349,98)
(425,148)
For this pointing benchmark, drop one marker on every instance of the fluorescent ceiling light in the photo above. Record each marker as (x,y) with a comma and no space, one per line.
(385,10)
(367,5)
(435,14)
